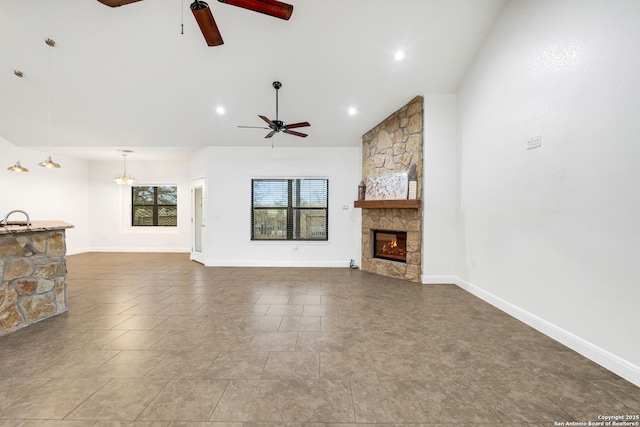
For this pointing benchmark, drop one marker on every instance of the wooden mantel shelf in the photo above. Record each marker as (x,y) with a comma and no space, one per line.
(388,204)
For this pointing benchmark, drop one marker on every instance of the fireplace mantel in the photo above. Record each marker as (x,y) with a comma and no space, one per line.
(388,204)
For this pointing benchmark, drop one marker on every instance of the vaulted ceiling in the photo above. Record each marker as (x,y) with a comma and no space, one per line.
(127,77)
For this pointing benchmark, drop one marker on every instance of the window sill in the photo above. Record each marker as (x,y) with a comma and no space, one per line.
(150,230)
(290,242)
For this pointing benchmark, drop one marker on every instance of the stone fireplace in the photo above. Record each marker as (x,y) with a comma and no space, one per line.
(392,147)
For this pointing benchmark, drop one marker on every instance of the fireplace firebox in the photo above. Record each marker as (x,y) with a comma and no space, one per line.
(390,245)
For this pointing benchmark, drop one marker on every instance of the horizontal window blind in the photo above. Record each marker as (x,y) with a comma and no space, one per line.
(154,206)
(289,209)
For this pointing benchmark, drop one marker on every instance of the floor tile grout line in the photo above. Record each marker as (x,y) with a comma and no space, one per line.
(353,402)
(108,380)
(153,400)
(218,401)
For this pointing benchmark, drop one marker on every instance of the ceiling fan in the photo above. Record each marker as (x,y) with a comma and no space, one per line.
(278,125)
(207,24)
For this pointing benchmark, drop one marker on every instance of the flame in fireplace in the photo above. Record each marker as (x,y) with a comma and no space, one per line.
(392,249)
(389,246)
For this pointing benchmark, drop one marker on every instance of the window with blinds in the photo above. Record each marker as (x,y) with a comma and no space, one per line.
(154,206)
(289,209)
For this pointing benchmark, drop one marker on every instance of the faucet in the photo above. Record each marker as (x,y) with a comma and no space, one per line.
(6,218)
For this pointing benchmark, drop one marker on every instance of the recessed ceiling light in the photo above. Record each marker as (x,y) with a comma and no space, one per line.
(220,110)
(352,111)
(399,55)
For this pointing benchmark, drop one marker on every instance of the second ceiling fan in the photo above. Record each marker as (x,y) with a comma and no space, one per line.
(207,24)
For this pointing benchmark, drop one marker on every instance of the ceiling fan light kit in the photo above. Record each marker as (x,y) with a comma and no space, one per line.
(206,22)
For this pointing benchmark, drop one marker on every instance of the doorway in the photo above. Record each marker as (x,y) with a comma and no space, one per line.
(197,220)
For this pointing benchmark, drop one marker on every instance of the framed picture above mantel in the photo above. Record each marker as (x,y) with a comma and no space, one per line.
(390,186)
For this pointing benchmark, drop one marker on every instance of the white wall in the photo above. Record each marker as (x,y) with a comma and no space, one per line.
(47,194)
(84,194)
(228,205)
(440,184)
(553,234)
(110,208)
(198,168)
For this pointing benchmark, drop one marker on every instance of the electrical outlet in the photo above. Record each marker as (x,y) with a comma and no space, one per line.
(534,142)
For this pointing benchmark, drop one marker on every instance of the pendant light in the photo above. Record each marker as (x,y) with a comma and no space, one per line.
(49,164)
(18,167)
(124,178)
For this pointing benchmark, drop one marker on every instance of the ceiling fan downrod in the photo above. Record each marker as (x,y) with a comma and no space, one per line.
(277,85)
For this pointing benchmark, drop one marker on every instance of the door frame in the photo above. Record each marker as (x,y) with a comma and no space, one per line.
(195,255)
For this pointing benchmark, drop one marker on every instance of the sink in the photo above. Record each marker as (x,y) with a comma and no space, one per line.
(6,221)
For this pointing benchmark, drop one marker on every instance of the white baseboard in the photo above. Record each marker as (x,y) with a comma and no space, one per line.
(438,280)
(274,263)
(143,250)
(78,251)
(610,361)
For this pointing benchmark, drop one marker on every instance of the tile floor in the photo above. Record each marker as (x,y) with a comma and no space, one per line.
(158,340)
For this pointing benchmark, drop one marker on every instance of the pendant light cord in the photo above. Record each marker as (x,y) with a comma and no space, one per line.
(49,96)
(48,163)
(18,74)
(18,105)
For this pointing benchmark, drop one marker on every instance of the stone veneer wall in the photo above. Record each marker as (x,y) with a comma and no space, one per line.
(392,147)
(33,275)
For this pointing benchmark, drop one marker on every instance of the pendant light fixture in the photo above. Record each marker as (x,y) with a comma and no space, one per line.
(49,164)
(18,167)
(124,178)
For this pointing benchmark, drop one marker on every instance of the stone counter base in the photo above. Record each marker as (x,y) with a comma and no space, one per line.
(34,278)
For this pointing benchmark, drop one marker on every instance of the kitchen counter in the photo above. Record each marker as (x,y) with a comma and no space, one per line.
(33,273)
(20,227)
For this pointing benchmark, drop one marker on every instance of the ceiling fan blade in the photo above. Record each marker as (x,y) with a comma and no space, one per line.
(253,127)
(270,134)
(207,24)
(273,8)
(116,3)
(267,120)
(293,132)
(297,125)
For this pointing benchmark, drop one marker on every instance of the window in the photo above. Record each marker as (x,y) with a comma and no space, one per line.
(154,206)
(289,209)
